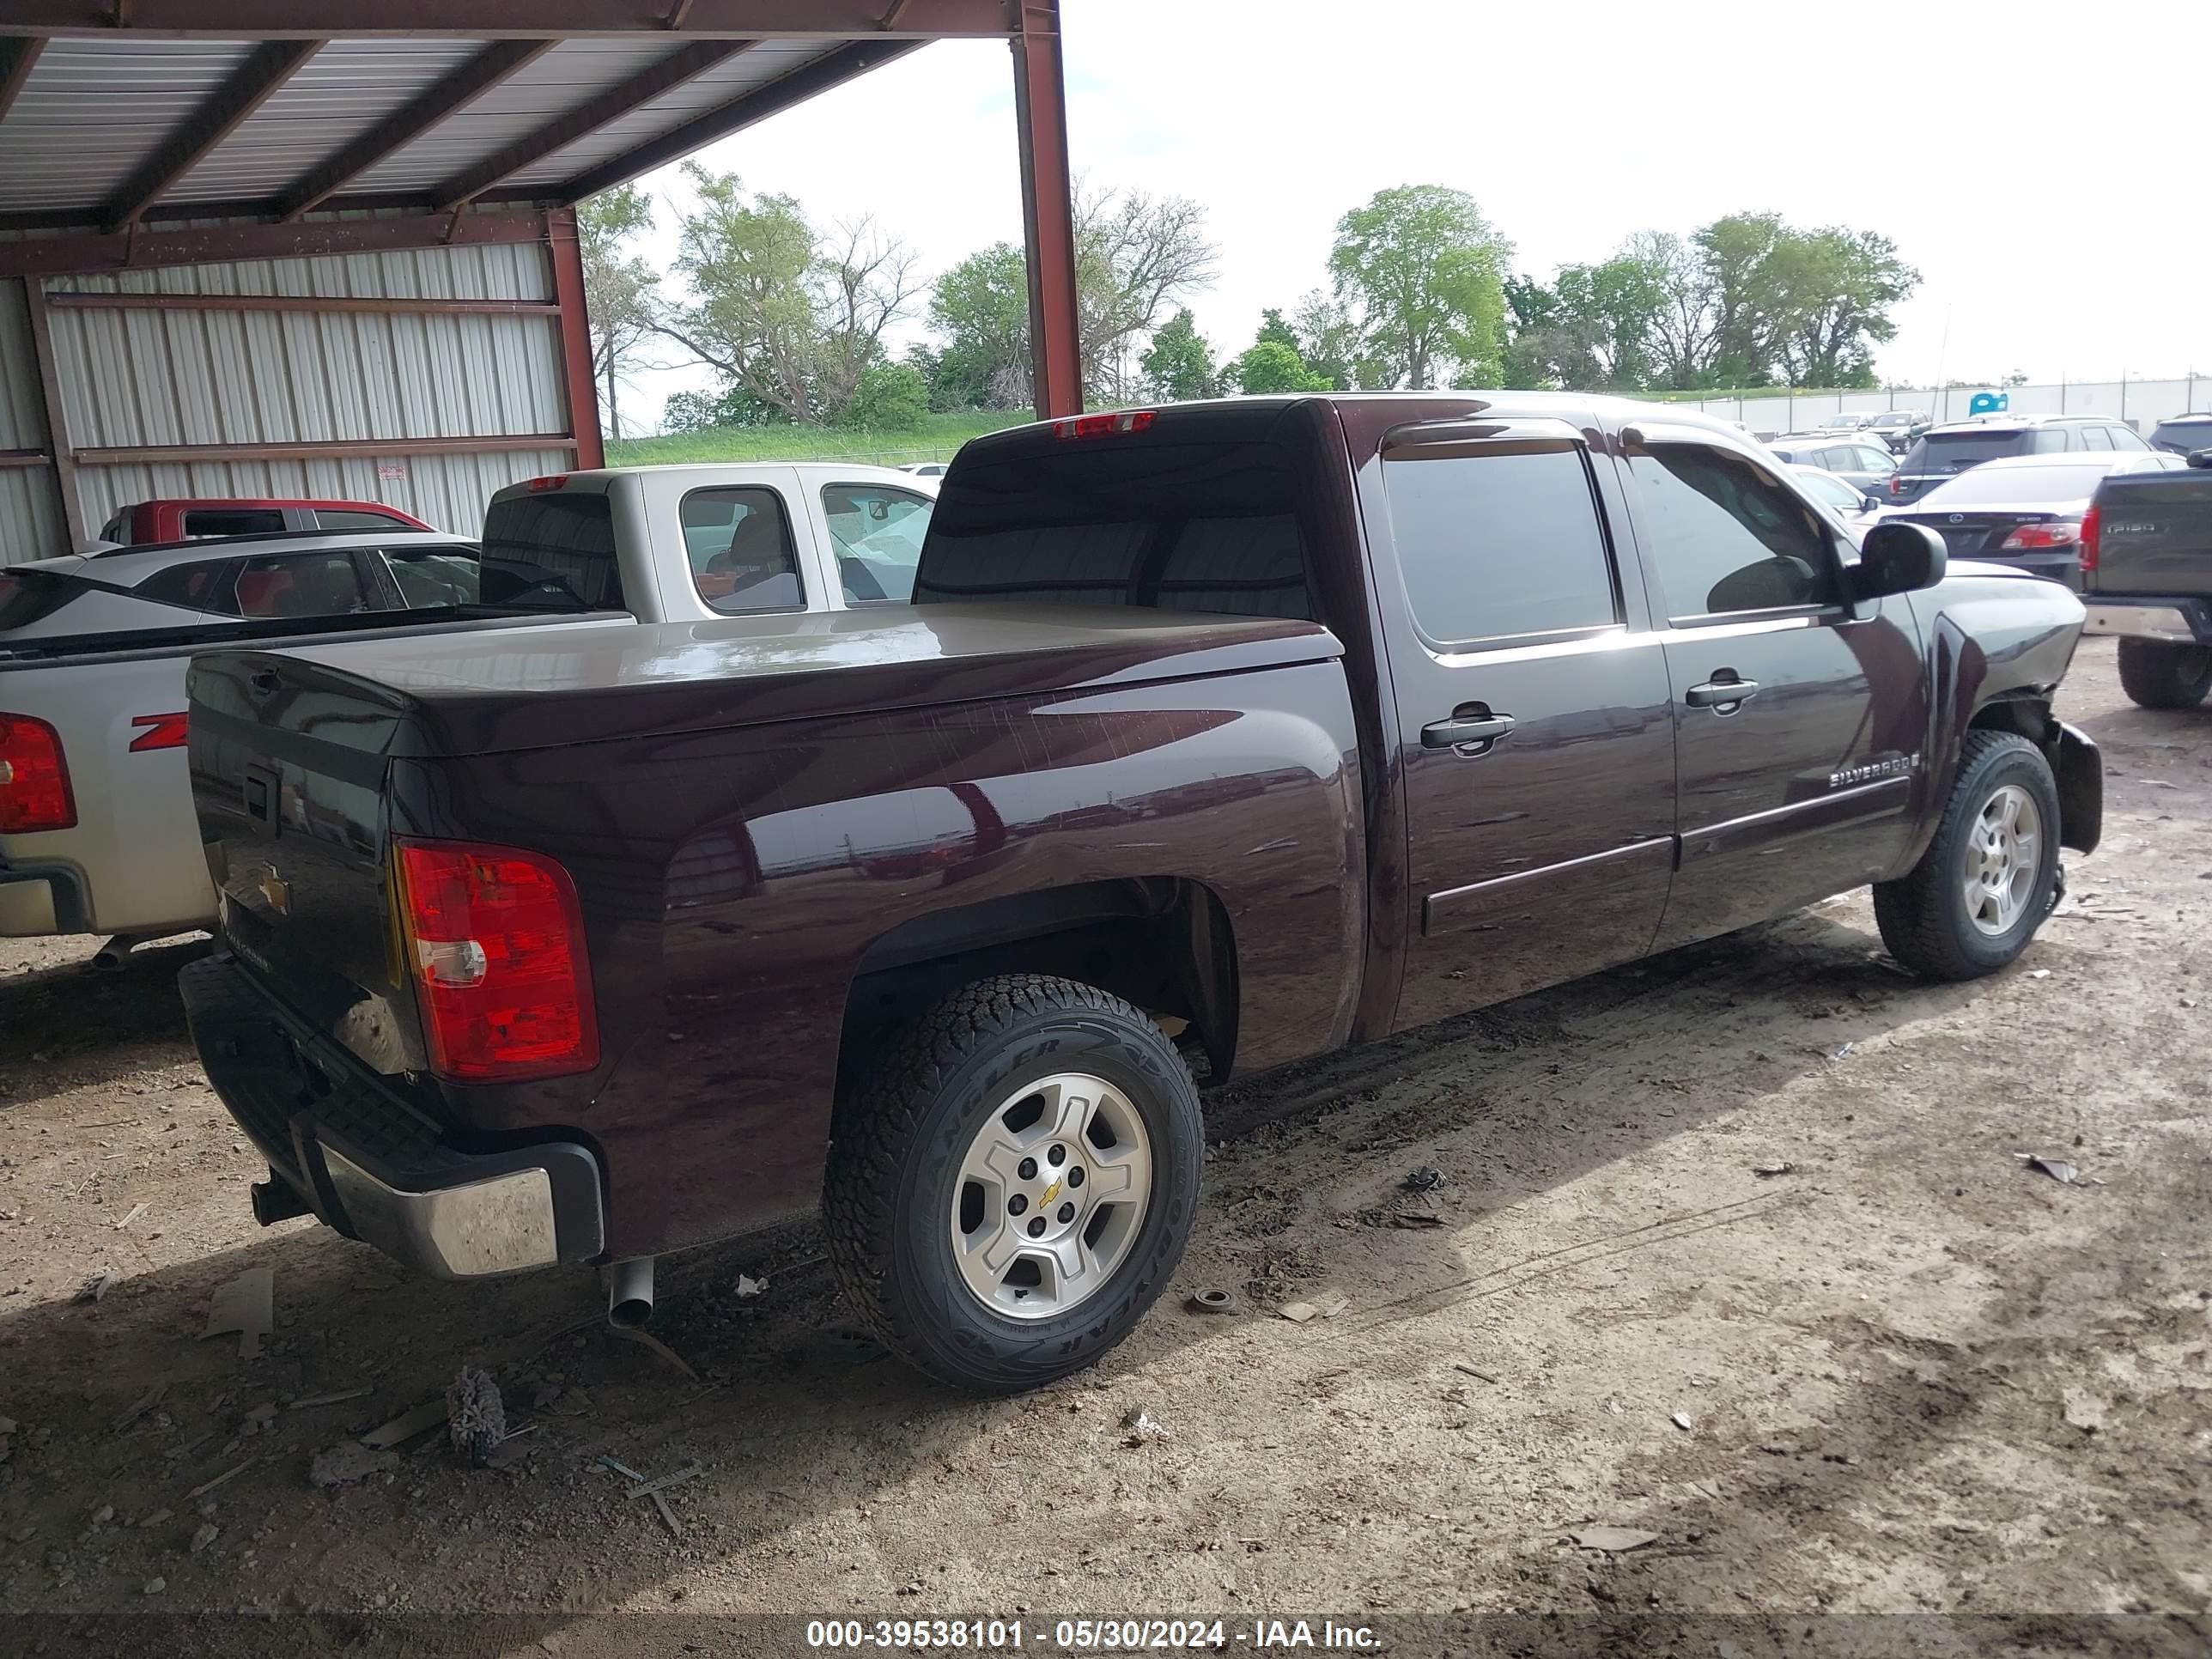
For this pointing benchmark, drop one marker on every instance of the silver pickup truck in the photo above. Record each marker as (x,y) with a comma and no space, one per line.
(2146,578)
(96,829)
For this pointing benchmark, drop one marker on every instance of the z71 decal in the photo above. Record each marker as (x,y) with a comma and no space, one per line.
(164,732)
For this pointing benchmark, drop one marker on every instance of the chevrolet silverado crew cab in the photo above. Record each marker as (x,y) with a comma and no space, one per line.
(2146,578)
(1216,736)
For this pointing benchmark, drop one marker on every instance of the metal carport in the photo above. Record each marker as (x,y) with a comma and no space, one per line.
(245,251)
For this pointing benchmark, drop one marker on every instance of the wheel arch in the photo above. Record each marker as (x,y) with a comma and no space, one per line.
(1165,944)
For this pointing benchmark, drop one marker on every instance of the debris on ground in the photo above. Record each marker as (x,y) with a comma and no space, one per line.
(2039,973)
(155,1586)
(622,1469)
(137,1210)
(2084,1411)
(95,1287)
(1612,1540)
(1213,1302)
(476,1416)
(1142,1429)
(748,1286)
(1682,1420)
(1426,1179)
(347,1461)
(154,1520)
(1299,1312)
(2058,1169)
(430,1415)
(339,1398)
(243,1306)
(1415,1216)
(1470,1371)
(690,1471)
(637,1334)
(1844,1053)
(208,1532)
(224,1478)
(137,1408)
(1780,1167)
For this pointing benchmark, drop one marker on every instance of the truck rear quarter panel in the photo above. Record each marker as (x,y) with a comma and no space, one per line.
(732,883)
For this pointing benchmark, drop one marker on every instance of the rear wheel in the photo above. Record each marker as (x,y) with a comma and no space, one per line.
(1989,877)
(2158,675)
(1007,1197)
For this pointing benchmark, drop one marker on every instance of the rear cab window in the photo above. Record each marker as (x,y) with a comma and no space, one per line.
(1202,514)
(738,542)
(551,551)
(232,521)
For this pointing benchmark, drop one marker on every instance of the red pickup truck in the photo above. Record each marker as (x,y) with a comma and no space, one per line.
(145,523)
(1216,736)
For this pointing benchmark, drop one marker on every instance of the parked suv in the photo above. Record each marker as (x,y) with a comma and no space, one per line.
(1947,451)
(1860,458)
(2184,435)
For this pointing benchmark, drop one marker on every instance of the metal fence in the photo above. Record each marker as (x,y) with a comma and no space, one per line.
(2140,402)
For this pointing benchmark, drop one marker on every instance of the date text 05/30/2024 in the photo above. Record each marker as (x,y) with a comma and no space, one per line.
(1087,1635)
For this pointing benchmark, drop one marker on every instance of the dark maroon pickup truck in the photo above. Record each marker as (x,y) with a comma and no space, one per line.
(1217,736)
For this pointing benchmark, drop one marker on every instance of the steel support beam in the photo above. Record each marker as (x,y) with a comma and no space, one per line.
(832,68)
(493,19)
(685,63)
(313,305)
(25,458)
(1047,213)
(55,256)
(56,415)
(17,56)
(266,68)
(161,454)
(496,62)
(576,339)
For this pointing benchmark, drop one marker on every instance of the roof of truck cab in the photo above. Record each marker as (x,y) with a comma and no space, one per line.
(598,478)
(558,686)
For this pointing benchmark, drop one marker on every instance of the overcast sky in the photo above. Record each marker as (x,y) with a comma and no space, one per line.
(2041,164)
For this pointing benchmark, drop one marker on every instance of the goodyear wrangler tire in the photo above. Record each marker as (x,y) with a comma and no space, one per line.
(1016,1185)
(1990,876)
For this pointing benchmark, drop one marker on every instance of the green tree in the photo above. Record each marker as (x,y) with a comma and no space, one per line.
(622,291)
(980,310)
(1744,281)
(1836,289)
(792,316)
(726,407)
(889,398)
(1424,271)
(1179,363)
(1135,255)
(1326,335)
(1271,366)
(1272,327)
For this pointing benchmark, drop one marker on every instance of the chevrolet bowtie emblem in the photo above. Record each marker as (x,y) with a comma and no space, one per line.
(1050,1193)
(275,892)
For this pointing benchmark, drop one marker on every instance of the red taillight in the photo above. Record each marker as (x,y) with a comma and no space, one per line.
(496,945)
(551,481)
(2093,526)
(2030,537)
(1896,484)
(1103,425)
(34,779)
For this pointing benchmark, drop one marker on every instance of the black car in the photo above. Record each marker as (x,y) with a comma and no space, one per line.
(1947,451)
(2183,434)
(1857,458)
(2025,510)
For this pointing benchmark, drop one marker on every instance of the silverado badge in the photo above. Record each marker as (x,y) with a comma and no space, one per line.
(275,892)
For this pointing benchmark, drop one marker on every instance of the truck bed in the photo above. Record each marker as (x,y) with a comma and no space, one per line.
(2155,535)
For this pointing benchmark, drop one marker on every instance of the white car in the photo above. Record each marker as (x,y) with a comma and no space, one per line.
(1855,506)
(925,469)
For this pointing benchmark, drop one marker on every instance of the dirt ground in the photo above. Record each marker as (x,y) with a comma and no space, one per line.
(1735,1249)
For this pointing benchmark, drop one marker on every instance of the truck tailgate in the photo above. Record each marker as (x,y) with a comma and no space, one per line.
(2155,535)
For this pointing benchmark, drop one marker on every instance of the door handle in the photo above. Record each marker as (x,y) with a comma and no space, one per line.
(1471,730)
(1721,694)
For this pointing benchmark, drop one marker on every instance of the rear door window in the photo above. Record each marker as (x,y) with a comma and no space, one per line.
(737,540)
(2122,438)
(552,551)
(2052,440)
(232,521)
(1502,545)
(302,585)
(1723,537)
(2094,437)
(876,532)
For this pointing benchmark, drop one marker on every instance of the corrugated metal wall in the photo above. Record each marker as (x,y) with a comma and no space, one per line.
(30,507)
(132,377)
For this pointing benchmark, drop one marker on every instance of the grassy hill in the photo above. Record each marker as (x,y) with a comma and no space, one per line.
(934,441)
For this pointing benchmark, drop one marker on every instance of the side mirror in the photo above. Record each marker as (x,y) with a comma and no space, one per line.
(1899,558)
(2202,457)
(1872,502)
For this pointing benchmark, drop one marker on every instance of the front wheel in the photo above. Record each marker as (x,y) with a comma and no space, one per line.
(1016,1186)
(1989,877)
(2158,675)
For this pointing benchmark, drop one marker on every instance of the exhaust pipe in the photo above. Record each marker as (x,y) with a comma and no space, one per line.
(114,956)
(630,1293)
